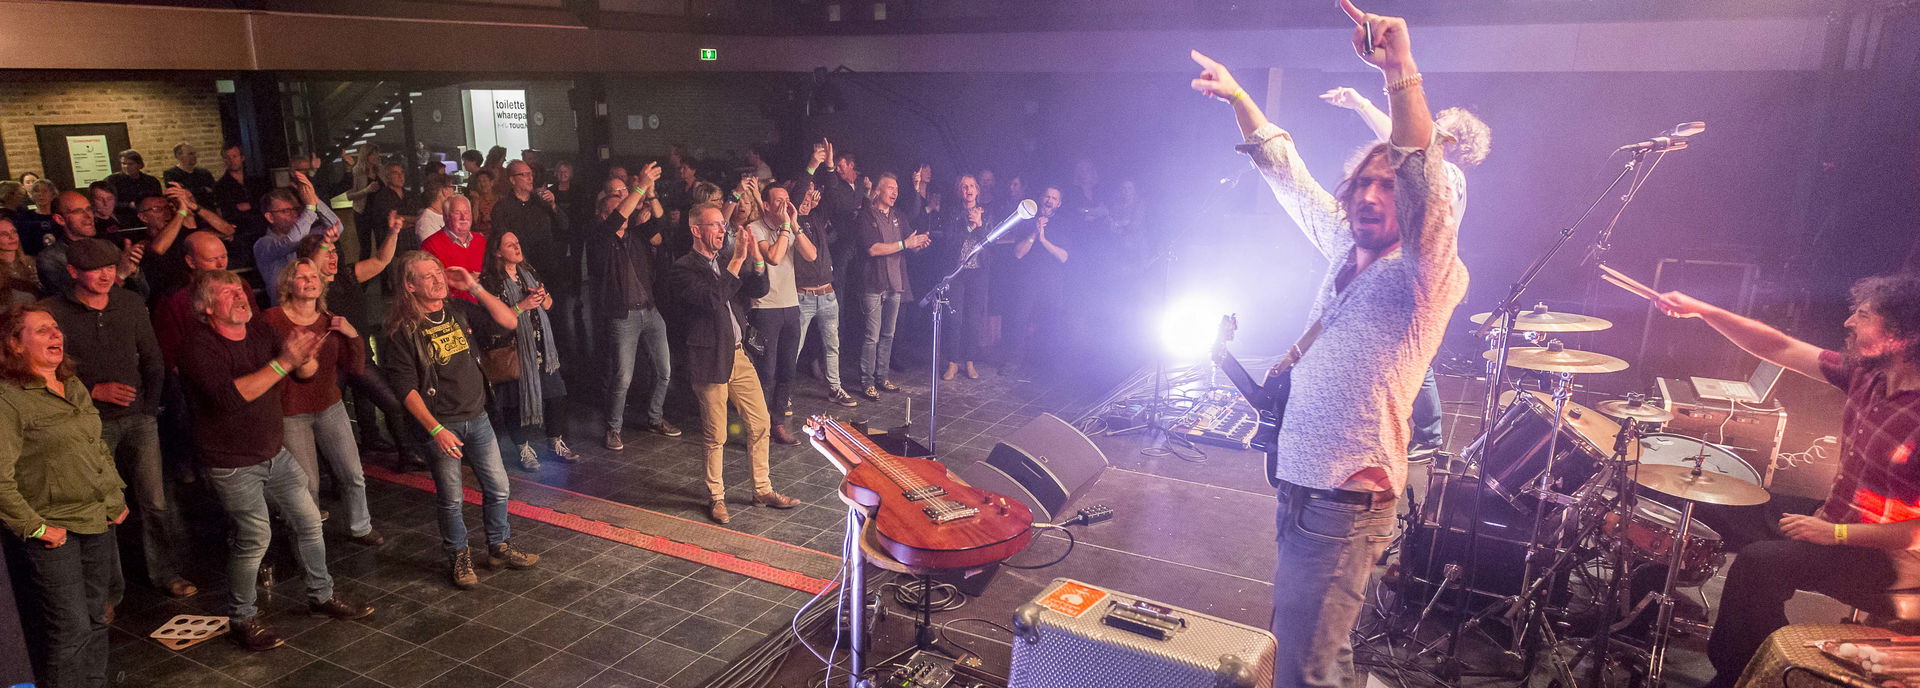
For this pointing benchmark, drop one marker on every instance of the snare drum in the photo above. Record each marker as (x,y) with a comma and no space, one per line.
(1654,529)
(1519,449)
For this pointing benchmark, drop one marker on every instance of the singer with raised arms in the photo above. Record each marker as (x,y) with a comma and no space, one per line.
(1381,314)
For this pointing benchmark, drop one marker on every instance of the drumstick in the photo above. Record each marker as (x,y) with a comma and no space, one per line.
(1628,283)
(1623,285)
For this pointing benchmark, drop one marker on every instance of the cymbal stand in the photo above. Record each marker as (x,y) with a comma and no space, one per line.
(1543,494)
(1663,625)
(1626,501)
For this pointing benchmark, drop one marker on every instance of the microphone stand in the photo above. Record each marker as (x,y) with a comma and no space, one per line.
(1500,322)
(937,299)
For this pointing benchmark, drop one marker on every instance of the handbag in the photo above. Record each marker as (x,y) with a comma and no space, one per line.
(501,364)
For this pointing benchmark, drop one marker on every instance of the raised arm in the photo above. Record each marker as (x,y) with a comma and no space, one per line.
(369,267)
(1755,337)
(1376,120)
(1312,208)
(503,314)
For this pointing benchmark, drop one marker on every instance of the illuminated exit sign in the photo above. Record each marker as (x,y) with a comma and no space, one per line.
(709,54)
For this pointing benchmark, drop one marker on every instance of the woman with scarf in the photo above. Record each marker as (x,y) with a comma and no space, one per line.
(531,403)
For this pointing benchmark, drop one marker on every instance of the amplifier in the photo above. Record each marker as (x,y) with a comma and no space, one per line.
(1076,635)
(1751,431)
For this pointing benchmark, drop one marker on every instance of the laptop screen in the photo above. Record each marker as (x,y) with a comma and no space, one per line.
(1763,379)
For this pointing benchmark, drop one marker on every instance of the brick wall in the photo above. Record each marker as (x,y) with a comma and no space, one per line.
(158,115)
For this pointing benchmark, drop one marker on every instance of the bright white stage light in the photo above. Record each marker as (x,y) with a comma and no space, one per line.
(1188,328)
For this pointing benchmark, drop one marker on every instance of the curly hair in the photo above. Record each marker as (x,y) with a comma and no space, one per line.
(1469,139)
(1896,299)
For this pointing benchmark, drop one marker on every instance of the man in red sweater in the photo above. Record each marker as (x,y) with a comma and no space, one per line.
(457,245)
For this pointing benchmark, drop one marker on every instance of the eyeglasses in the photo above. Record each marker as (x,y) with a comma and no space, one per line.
(272,211)
(709,224)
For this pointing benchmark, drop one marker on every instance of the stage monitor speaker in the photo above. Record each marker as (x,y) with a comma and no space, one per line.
(1044,464)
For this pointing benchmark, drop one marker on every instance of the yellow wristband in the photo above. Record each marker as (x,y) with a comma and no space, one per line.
(1238,94)
(1840,533)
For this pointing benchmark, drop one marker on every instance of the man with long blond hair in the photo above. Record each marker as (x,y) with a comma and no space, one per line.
(433,363)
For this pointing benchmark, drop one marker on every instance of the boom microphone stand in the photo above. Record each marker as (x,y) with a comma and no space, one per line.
(937,299)
(1500,322)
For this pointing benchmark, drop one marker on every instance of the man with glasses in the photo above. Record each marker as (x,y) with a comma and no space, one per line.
(75,218)
(534,216)
(288,222)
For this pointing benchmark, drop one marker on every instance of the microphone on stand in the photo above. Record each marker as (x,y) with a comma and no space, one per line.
(1025,211)
(1670,140)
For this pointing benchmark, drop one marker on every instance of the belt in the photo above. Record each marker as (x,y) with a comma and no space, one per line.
(817,291)
(1366,499)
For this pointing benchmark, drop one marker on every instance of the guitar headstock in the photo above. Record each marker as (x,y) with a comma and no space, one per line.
(817,425)
(1229,324)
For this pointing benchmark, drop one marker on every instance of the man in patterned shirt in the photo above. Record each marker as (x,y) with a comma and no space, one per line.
(1865,540)
(1343,449)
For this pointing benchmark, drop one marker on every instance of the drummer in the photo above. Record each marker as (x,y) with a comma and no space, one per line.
(1865,540)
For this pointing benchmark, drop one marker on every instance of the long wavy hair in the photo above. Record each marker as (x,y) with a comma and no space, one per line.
(403,311)
(283,287)
(15,367)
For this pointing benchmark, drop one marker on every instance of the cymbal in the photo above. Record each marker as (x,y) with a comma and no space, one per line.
(1706,488)
(1542,320)
(1641,411)
(1552,360)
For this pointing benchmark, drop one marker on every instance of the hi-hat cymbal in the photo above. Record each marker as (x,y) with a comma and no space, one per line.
(1705,488)
(1640,411)
(1542,320)
(1555,360)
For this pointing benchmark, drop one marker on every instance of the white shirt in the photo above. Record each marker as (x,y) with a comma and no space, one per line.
(429,223)
(1354,389)
(781,292)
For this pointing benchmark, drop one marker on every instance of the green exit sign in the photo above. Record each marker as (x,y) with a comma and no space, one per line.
(709,54)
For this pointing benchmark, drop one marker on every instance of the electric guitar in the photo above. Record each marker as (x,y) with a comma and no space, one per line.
(923,515)
(1268,398)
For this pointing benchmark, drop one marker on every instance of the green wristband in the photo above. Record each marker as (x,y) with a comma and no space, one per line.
(183,212)
(902,245)
(275,365)
(42,530)
(436,429)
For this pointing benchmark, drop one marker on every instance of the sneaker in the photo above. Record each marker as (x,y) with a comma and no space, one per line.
(504,554)
(870,393)
(371,538)
(339,609)
(781,436)
(460,565)
(789,407)
(181,588)
(775,500)
(1421,454)
(664,429)
(614,441)
(888,386)
(717,510)
(529,457)
(254,636)
(841,397)
(264,579)
(565,453)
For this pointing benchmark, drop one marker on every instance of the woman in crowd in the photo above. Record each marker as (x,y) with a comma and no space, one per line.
(530,404)
(433,217)
(481,195)
(19,280)
(956,233)
(316,415)
(13,197)
(28,179)
(60,498)
(348,298)
(366,176)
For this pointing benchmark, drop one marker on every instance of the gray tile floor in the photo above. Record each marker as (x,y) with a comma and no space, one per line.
(594,613)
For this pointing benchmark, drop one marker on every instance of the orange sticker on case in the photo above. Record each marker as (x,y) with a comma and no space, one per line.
(1073,599)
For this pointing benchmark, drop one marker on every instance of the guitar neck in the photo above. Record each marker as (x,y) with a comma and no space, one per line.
(1243,381)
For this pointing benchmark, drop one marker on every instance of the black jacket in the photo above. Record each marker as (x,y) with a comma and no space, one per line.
(704,296)
(112,345)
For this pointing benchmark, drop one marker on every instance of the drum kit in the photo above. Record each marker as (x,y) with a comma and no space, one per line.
(1579,500)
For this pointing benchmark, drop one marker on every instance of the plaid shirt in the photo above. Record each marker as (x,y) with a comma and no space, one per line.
(1879,480)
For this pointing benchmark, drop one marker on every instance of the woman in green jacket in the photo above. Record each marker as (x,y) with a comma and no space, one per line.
(60,497)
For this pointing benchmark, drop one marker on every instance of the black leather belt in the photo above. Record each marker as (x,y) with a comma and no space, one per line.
(1366,499)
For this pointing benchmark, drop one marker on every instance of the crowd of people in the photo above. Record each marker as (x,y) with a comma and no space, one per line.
(448,333)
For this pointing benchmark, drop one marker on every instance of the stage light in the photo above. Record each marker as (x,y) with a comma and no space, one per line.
(1188,328)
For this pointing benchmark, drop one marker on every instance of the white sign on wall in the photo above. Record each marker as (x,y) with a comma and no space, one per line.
(497,118)
(91,158)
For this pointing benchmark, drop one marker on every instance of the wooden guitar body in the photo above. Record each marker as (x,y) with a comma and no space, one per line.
(922,514)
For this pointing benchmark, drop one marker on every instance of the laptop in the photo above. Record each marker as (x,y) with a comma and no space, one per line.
(1753,391)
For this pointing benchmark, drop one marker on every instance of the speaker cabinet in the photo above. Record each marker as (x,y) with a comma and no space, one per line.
(1044,464)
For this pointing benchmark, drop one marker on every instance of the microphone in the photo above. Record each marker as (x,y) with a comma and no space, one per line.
(1670,140)
(1025,211)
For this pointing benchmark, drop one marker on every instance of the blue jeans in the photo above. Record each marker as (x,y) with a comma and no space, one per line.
(629,332)
(827,308)
(1327,551)
(244,493)
(482,453)
(328,432)
(134,440)
(68,585)
(881,310)
(1427,417)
